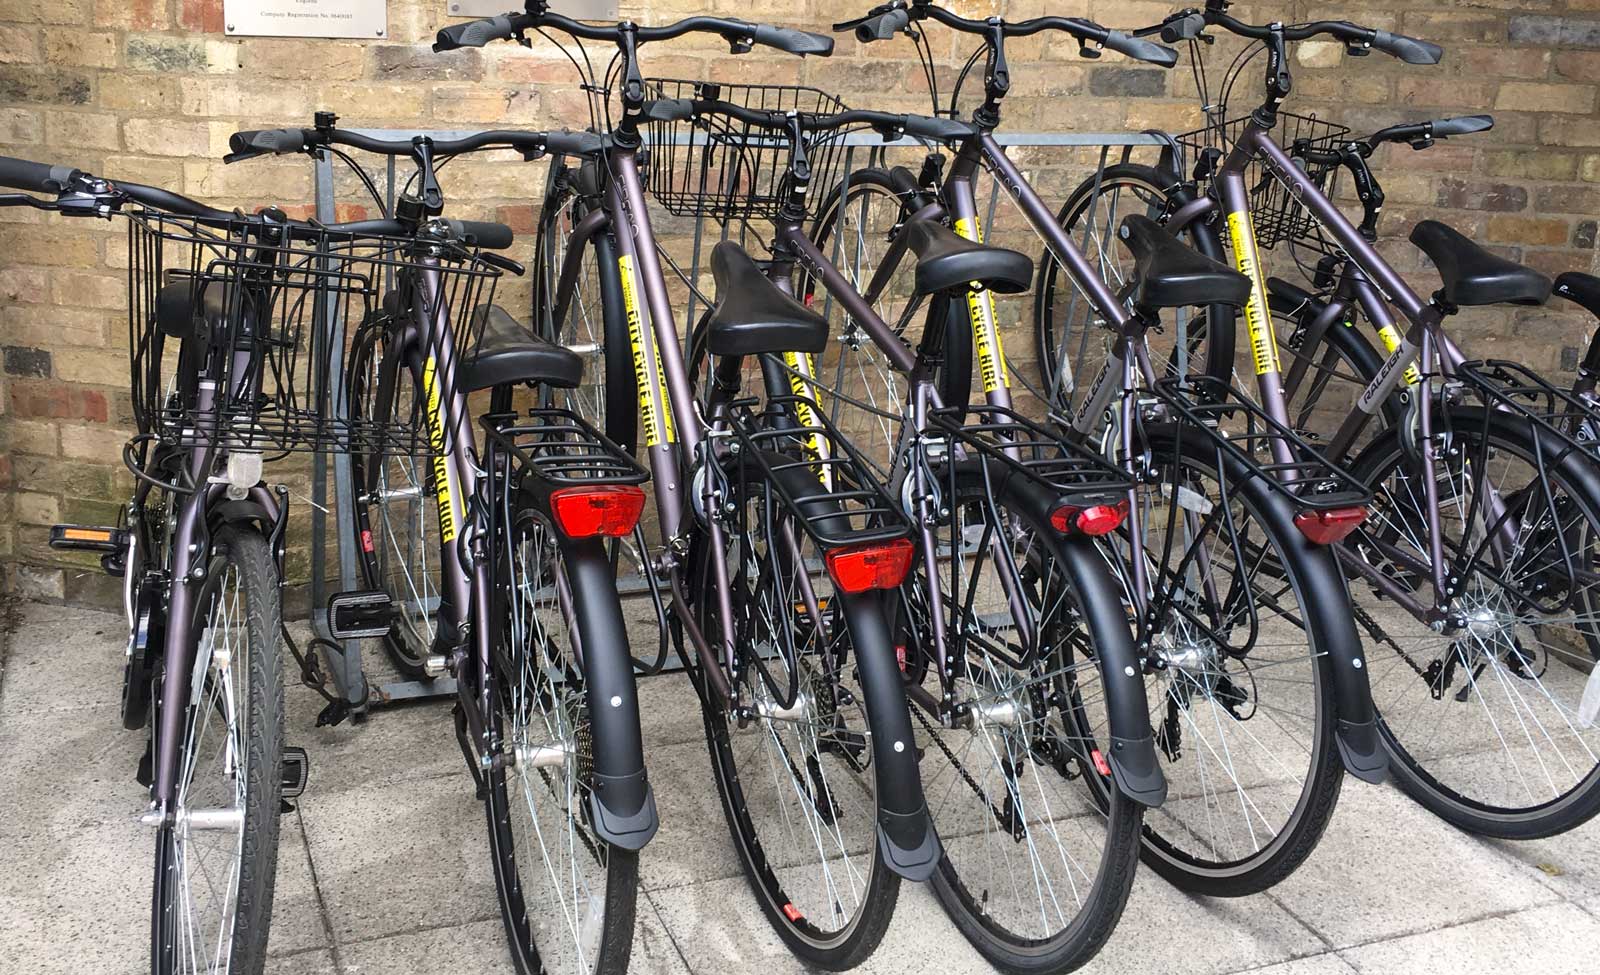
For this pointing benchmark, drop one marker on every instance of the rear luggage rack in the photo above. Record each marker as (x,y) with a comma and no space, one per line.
(1026,447)
(1514,388)
(555,448)
(1242,431)
(849,506)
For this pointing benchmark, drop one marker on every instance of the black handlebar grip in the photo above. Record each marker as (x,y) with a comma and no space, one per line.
(944,129)
(473,33)
(1184,28)
(882,27)
(1463,125)
(37,177)
(277,141)
(492,236)
(1141,49)
(669,109)
(565,143)
(1408,49)
(791,40)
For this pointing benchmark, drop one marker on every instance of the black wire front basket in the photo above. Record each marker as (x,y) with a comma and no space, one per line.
(241,334)
(718,167)
(1277,214)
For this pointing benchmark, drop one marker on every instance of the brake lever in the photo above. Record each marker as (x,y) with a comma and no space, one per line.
(503,263)
(24,200)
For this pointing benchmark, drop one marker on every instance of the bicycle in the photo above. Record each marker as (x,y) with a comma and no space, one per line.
(1010,634)
(1482,499)
(200,544)
(1240,608)
(819,787)
(501,574)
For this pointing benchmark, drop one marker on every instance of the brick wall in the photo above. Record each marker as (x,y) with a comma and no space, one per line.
(149,90)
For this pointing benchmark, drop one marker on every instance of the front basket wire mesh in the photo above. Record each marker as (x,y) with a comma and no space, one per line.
(718,167)
(255,310)
(1277,214)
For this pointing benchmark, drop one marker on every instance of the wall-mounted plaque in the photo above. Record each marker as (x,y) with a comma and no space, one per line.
(306,18)
(576,9)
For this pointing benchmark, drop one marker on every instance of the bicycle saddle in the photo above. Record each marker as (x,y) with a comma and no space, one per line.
(949,262)
(1168,274)
(753,316)
(1584,289)
(1472,275)
(508,353)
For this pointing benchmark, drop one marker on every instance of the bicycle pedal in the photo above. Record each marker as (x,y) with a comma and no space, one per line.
(296,770)
(87,538)
(360,614)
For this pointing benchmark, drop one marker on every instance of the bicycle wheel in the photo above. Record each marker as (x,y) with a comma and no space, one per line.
(396,516)
(854,230)
(1040,848)
(1240,682)
(567,897)
(1070,342)
(594,323)
(1485,722)
(793,758)
(216,860)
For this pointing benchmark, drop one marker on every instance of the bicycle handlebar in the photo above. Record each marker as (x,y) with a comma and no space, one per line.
(739,34)
(1189,24)
(281,141)
(885,21)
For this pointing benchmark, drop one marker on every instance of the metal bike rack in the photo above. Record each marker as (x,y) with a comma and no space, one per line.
(348,672)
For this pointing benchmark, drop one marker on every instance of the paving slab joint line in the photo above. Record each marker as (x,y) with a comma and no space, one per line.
(1326,941)
(1292,958)
(422,929)
(322,902)
(661,919)
(1401,935)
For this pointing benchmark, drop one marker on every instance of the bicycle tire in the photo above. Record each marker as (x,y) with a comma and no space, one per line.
(973,896)
(953,378)
(1423,776)
(772,878)
(244,554)
(404,535)
(1319,616)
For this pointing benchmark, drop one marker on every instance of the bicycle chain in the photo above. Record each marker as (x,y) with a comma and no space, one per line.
(977,790)
(1382,636)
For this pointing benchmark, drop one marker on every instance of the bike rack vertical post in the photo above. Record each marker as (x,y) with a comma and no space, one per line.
(347,672)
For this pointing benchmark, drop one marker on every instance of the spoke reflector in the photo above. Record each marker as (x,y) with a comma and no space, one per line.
(1100,764)
(1328,527)
(792,913)
(610,510)
(862,567)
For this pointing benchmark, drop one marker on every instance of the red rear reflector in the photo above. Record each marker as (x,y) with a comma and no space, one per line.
(608,509)
(864,567)
(792,913)
(366,541)
(1100,764)
(900,656)
(1096,519)
(1327,527)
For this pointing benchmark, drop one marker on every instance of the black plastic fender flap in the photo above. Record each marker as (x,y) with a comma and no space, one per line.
(1137,771)
(622,821)
(1361,750)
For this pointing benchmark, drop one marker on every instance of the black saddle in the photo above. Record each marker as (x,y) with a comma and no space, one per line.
(508,353)
(1472,275)
(949,262)
(753,316)
(1584,289)
(1168,274)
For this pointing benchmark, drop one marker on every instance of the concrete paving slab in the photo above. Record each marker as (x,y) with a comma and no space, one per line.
(669,710)
(1387,868)
(297,920)
(1558,939)
(318,962)
(693,844)
(1569,863)
(1324,964)
(61,657)
(406,741)
(400,857)
(66,770)
(87,888)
